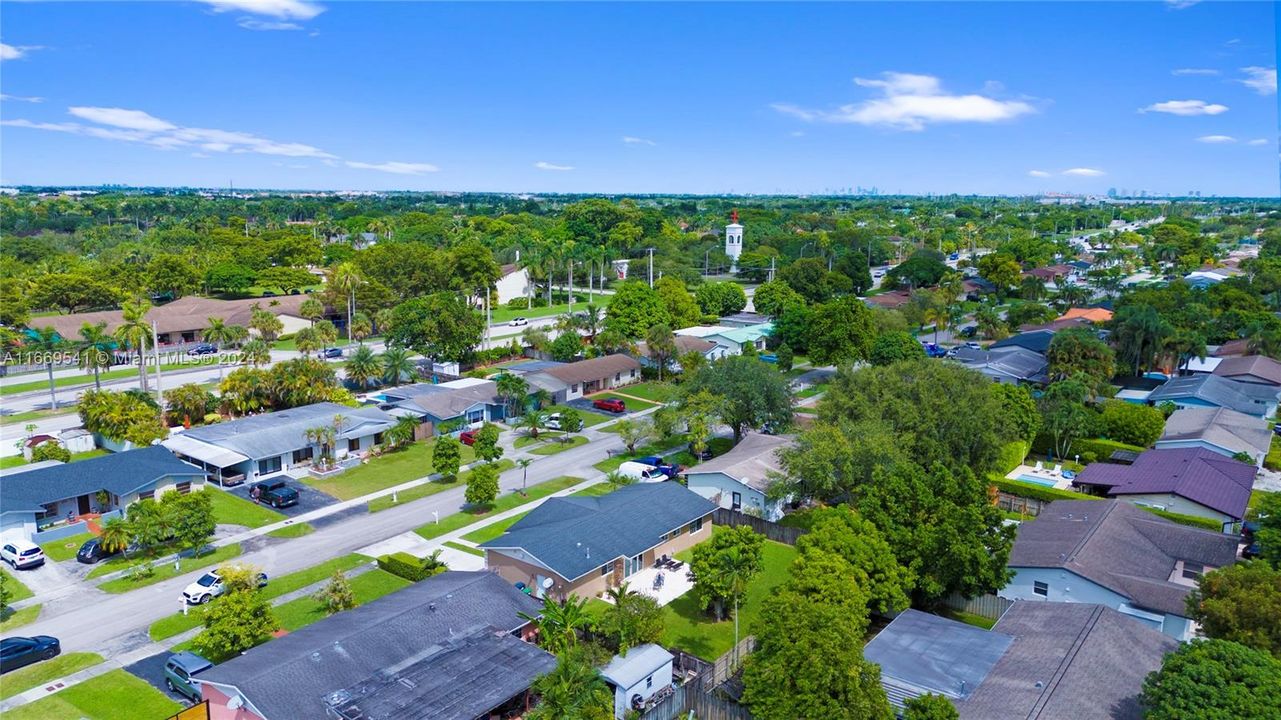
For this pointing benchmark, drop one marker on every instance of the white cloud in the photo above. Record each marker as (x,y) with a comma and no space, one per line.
(1194,71)
(1038,173)
(1186,107)
(283,9)
(910,102)
(541,165)
(398,168)
(1258,141)
(631,140)
(20,98)
(1180,4)
(199,155)
(249,23)
(1260,79)
(16,52)
(119,117)
(1084,172)
(797,133)
(1216,139)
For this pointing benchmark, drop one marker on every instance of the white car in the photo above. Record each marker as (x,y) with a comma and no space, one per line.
(552,422)
(517,322)
(21,554)
(210,586)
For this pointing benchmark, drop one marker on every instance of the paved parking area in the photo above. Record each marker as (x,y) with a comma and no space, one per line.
(585,405)
(151,670)
(309,498)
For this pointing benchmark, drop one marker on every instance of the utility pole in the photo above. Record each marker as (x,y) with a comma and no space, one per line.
(771,269)
(651,266)
(155,347)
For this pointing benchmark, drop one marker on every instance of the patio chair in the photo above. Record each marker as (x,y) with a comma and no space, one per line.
(1038,467)
(1058,470)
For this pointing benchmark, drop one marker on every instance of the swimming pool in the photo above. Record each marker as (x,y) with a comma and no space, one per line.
(1037,480)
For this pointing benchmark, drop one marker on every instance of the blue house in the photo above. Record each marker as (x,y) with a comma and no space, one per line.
(740,479)
(1213,391)
(446,407)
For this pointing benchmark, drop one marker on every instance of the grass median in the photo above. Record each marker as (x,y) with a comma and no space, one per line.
(430,488)
(114,695)
(388,470)
(162,571)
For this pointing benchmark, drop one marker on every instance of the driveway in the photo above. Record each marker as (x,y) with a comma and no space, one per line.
(585,405)
(48,579)
(151,670)
(309,498)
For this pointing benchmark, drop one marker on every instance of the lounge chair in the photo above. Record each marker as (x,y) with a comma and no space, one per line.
(1058,470)
(1038,467)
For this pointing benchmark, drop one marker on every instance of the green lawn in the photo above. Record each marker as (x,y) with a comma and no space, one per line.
(164,571)
(292,531)
(368,586)
(968,618)
(384,471)
(66,548)
(551,448)
(692,629)
(611,464)
(460,520)
(41,673)
(278,586)
(14,461)
(502,313)
(653,391)
(493,530)
(1273,460)
(64,408)
(464,548)
(115,695)
(17,591)
(595,490)
(431,488)
(230,509)
(812,390)
(20,617)
(590,419)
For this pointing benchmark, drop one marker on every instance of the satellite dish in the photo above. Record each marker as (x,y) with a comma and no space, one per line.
(547,583)
(235,702)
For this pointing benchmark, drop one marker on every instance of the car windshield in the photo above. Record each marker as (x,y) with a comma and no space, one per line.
(207,580)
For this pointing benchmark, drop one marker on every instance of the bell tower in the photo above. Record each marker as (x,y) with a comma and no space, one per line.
(733,240)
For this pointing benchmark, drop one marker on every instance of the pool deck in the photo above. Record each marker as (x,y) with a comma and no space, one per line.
(1046,476)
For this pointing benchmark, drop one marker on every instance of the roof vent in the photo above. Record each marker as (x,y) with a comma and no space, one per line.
(315,657)
(1039,684)
(406,682)
(431,607)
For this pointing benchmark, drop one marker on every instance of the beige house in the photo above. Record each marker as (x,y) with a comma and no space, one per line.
(185,319)
(586,545)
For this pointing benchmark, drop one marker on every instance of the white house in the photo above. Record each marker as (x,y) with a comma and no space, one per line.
(637,676)
(513,284)
(740,479)
(730,340)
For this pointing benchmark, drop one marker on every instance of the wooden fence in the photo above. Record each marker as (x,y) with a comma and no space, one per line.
(698,694)
(1015,503)
(988,606)
(778,533)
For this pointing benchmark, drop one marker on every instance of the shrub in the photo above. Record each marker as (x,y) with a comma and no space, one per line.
(1011,456)
(411,568)
(1101,448)
(1037,492)
(50,450)
(1189,520)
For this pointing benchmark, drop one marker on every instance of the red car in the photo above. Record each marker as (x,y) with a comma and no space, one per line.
(611,404)
(467,437)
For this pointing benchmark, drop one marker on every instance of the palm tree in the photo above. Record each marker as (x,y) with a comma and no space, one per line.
(937,315)
(523,464)
(573,689)
(307,340)
(533,420)
(513,389)
(1140,333)
(990,323)
(402,432)
(220,333)
(361,327)
(397,366)
(380,226)
(48,345)
(591,320)
(312,309)
(95,350)
(116,535)
(661,344)
(255,352)
(134,332)
(382,320)
(558,623)
(345,278)
(363,367)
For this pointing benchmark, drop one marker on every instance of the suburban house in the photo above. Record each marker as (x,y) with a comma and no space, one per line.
(534,373)
(513,283)
(1226,432)
(890,300)
(1050,275)
(1203,279)
(33,497)
(1118,555)
(1038,341)
(1010,365)
(685,344)
(256,446)
(1189,481)
(729,340)
(1255,369)
(739,479)
(444,407)
(1041,661)
(637,676)
(185,319)
(1096,315)
(592,375)
(586,545)
(743,319)
(1215,391)
(451,647)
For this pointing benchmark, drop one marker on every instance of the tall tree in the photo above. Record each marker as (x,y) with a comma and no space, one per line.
(94,350)
(1240,603)
(134,332)
(345,278)
(724,566)
(873,567)
(397,366)
(752,394)
(660,342)
(573,690)
(1212,679)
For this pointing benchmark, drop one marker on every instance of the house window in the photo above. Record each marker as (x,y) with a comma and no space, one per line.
(604,569)
(1040,588)
(268,466)
(148,495)
(618,377)
(1192,571)
(675,533)
(649,682)
(183,487)
(573,388)
(302,455)
(378,438)
(353,445)
(696,526)
(633,373)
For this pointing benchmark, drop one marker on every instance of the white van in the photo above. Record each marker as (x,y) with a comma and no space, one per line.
(641,472)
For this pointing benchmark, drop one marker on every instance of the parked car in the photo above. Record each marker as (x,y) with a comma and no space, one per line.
(17,652)
(1249,538)
(180,671)
(331,353)
(973,345)
(705,455)
(22,554)
(934,351)
(613,405)
(970,331)
(93,552)
(203,349)
(552,422)
(467,437)
(210,586)
(517,322)
(274,493)
(657,462)
(640,472)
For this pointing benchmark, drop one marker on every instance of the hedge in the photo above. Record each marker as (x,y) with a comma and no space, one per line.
(1190,520)
(407,566)
(1099,448)
(1037,492)
(1011,456)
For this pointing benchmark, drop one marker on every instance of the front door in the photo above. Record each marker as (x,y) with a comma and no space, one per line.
(83,503)
(738,502)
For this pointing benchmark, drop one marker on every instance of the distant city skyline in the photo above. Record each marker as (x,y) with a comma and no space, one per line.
(908,98)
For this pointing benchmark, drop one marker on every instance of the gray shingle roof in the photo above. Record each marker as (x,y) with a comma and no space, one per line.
(1243,397)
(1120,547)
(444,402)
(118,473)
(276,433)
(290,677)
(1037,341)
(1228,429)
(922,653)
(1088,660)
(606,366)
(750,461)
(1197,474)
(1251,368)
(575,535)
(1013,362)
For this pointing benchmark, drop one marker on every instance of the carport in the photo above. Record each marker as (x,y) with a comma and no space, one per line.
(219,462)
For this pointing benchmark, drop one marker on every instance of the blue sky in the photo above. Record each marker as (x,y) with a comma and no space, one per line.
(709,98)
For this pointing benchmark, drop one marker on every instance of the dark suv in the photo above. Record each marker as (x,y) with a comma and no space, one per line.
(93,552)
(274,493)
